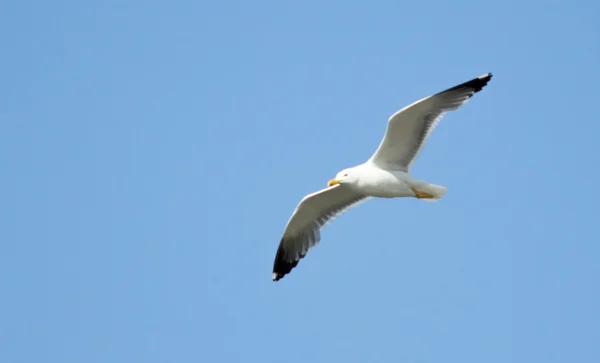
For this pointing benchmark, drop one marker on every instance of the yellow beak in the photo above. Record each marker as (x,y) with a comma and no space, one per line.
(333,182)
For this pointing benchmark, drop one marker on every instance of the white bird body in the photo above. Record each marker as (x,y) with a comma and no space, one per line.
(386,174)
(373,181)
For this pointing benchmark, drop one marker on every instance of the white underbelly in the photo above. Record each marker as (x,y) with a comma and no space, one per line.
(388,185)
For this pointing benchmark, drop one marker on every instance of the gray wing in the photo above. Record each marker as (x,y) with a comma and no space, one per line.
(303,230)
(409,128)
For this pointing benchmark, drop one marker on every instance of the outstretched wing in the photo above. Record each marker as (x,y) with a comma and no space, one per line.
(303,230)
(409,128)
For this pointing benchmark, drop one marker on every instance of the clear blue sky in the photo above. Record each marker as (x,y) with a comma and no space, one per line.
(152,153)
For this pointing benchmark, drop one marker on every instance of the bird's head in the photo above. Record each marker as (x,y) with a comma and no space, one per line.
(344,176)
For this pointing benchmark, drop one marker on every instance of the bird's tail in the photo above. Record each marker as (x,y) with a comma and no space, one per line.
(433,192)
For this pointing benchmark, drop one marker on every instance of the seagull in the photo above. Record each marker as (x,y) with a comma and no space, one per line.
(384,175)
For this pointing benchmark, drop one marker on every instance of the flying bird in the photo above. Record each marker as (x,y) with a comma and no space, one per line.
(386,174)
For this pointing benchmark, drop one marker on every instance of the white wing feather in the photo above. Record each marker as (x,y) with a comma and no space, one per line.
(409,128)
(303,230)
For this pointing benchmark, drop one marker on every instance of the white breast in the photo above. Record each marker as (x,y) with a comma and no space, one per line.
(376,182)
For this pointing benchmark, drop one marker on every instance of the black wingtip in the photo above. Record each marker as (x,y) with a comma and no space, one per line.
(481,81)
(282,266)
(277,276)
(476,84)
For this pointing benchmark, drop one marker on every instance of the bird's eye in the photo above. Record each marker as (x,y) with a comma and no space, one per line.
(345,174)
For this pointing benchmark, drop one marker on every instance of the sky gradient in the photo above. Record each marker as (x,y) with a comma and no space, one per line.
(152,153)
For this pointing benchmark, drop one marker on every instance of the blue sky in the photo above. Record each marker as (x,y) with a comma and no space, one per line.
(152,153)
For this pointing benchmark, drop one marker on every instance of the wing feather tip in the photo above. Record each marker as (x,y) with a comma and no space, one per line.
(475,85)
(481,81)
(281,266)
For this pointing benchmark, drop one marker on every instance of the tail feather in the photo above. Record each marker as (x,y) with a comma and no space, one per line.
(436,191)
